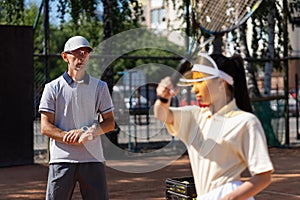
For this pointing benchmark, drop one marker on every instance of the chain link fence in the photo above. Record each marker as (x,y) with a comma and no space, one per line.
(135,122)
(137,127)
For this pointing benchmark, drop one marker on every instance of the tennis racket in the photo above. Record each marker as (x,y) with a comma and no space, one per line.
(216,17)
(222,16)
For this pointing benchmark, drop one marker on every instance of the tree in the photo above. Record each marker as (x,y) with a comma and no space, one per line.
(12,12)
(86,19)
(249,66)
(118,16)
(264,27)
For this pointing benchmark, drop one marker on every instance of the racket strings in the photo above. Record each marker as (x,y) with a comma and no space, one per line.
(219,16)
(211,17)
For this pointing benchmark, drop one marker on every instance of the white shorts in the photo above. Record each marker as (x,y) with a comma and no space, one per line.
(221,191)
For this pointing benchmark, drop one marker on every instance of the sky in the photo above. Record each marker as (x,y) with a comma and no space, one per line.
(53,19)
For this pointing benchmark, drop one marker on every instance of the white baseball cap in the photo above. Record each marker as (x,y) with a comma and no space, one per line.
(76,42)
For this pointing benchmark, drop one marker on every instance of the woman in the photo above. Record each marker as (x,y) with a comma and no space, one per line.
(222,136)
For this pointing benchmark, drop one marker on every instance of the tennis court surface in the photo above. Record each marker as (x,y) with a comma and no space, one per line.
(29,182)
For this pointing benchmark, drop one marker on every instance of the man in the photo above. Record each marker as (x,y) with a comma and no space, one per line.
(76,109)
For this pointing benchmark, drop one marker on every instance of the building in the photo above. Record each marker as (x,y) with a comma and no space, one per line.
(294,64)
(162,15)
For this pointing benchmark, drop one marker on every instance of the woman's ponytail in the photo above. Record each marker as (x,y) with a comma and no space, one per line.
(234,66)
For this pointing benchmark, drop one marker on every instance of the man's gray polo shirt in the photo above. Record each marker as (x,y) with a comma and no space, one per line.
(75,105)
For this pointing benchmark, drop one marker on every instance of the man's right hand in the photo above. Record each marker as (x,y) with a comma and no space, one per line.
(72,136)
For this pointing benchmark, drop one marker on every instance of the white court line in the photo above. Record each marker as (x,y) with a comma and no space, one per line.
(281,193)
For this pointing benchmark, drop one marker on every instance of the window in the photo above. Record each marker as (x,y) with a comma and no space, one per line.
(156,3)
(158,17)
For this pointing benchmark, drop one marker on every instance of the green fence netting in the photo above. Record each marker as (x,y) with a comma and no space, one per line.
(271,115)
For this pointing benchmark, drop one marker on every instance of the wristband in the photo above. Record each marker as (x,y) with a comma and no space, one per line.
(163,100)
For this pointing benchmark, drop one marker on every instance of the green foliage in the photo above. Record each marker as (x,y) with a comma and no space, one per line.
(120,15)
(131,50)
(85,22)
(146,58)
(59,35)
(78,10)
(260,31)
(12,12)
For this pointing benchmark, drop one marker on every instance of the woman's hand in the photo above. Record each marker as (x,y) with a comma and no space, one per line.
(164,92)
(165,89)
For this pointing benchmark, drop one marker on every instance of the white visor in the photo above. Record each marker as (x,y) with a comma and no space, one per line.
(207,66)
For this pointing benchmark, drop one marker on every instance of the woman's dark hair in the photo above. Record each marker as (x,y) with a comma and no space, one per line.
(234,66)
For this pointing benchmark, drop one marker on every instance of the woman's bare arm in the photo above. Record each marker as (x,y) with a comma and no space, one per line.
(251,187)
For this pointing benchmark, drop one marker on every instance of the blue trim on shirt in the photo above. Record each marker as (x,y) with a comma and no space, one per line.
(69,80)
(111,108)
(41,109)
